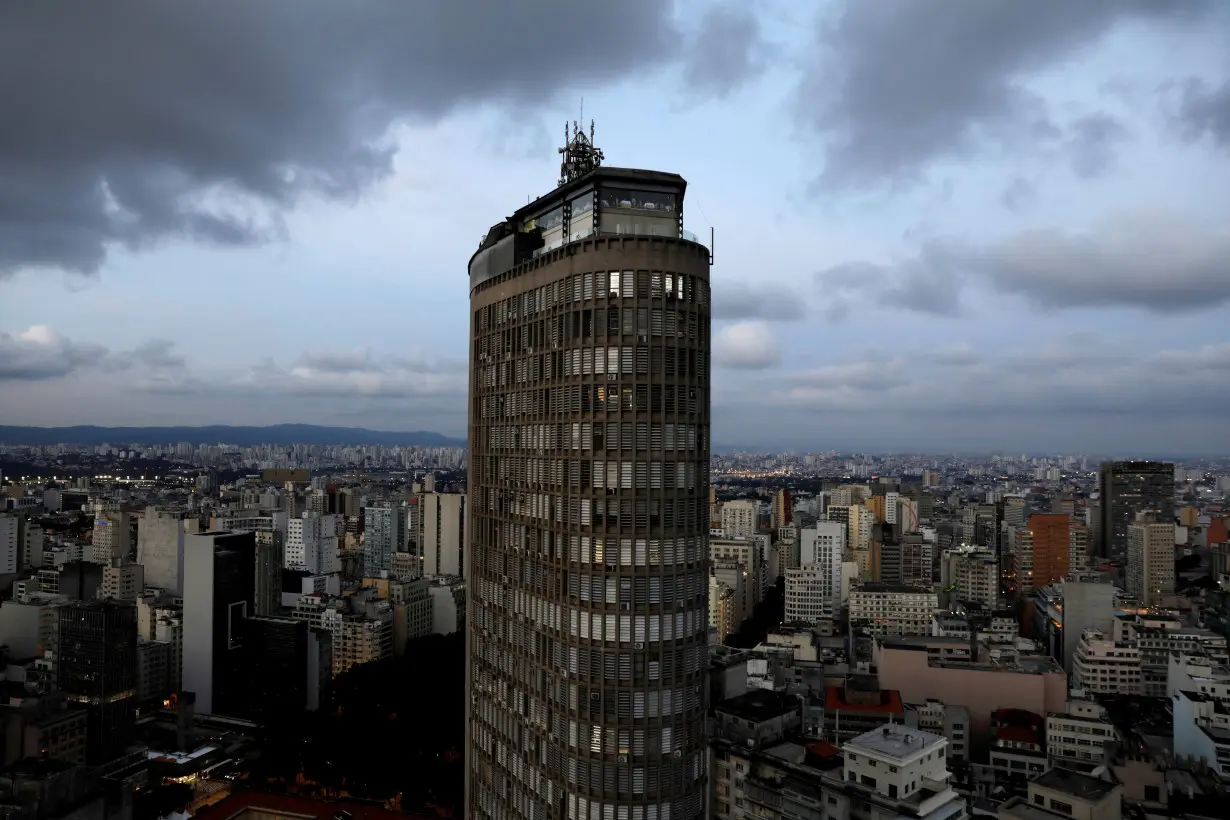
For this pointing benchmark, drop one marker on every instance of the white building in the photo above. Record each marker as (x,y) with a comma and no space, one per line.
(122,581)
(809,596)
(1078,738)
(740,518)
(888,610)
(1106,664)
(901,763)
(311,544)
(112,536)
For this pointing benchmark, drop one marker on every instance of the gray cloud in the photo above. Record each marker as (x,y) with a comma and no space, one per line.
(1092,142)
(727,50)
(158,354)
(926,284)
(1159,262)
(327,361)
(1205,110)
(893,92)
(129,122)
(770,301)
(1019,193)
(1076,375)
(41,353)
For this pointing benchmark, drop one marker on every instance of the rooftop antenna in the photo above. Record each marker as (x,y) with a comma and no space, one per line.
(579,154)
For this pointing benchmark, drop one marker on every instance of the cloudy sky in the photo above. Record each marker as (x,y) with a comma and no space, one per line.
(940,225)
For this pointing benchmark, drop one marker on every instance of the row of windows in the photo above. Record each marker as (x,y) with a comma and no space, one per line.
(585,398)
(582,287)
(611,362)
(611,589)
(594,626)
(510,536)
(580,326)
(647,666)
(576,473)
(586,435)
(611,513)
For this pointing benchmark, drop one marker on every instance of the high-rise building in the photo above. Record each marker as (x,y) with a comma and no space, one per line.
(219,594)
(1150,559)
(1049,540)
(441,535)
(587,542)
(160,547)
(1127,488)
(10,547)
(97,667)
(783,509)
(311,544)
(384,533)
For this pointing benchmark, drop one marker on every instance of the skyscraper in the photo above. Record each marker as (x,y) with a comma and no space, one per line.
(587,542)
(384,533)
(97,667)
(1127,488)
(219,595)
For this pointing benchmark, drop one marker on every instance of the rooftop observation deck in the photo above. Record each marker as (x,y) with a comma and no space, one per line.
(590,200)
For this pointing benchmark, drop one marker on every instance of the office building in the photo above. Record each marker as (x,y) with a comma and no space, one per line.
(219,594)
(97,668)
(1150,560)
(587,542)
(384,533)
(1126,489)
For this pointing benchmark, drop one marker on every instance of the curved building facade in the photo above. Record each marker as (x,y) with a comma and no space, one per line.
(587,553)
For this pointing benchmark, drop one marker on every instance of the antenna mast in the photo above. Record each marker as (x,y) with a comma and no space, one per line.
(579,154)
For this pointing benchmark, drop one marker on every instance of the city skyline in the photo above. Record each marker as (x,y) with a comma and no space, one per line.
(1026,261)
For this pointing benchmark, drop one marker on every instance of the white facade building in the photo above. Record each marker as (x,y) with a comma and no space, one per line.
(311,544)
(887,610)
(740,518)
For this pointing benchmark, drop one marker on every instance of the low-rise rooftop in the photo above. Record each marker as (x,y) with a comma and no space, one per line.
(894,741)
(1074,783)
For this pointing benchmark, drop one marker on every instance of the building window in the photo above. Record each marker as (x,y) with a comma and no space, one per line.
(1061,807)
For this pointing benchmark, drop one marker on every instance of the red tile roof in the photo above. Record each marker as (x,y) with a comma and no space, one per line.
(290,804)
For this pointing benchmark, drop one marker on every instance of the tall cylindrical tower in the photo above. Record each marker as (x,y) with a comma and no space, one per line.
(587,547)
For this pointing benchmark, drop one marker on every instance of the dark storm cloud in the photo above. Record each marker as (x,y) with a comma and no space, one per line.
(126,122)
(893,89)
(768,300)
(1159,262)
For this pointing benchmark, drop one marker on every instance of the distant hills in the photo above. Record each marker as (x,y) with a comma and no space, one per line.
(281,434)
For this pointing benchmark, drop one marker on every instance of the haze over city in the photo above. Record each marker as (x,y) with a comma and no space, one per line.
(920,244)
